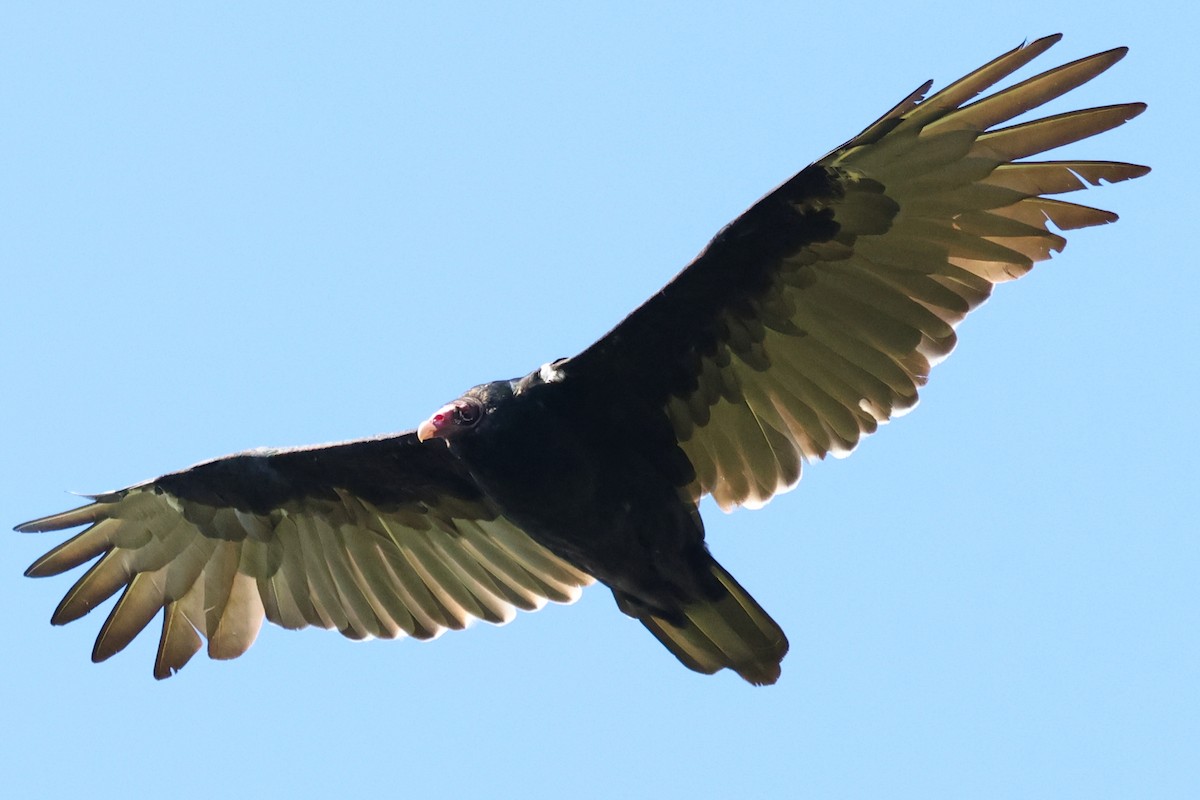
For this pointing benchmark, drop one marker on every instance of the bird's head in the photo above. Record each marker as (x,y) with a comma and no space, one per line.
(463,415)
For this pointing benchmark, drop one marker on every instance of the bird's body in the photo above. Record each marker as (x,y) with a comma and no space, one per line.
(600,492)
(805,324)
(583,489)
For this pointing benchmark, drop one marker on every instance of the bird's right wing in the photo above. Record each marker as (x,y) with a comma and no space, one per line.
(816,315)
(380,537)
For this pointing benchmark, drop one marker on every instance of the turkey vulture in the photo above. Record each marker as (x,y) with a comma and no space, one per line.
(805,324)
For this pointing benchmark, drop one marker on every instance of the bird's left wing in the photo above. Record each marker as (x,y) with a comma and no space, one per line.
(817,314)
(379,537)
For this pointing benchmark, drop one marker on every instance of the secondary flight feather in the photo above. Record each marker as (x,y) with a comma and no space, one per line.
(805,324)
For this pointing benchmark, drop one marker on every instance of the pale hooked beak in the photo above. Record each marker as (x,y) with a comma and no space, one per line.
(433,427)
(426,431)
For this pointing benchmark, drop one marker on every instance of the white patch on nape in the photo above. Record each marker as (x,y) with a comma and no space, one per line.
(549,373)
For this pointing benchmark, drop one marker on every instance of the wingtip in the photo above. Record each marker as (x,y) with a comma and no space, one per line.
(1046,41)
(39,525)
(1103,60)
(1040,45)
(74,517)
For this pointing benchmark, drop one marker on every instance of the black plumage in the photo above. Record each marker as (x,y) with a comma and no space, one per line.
(805,324)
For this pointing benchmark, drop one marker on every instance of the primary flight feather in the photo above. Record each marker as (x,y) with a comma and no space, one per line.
(805,324)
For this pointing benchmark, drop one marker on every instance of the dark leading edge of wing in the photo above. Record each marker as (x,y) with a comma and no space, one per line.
(817,314)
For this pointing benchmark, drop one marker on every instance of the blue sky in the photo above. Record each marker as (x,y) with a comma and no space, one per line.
(273,224)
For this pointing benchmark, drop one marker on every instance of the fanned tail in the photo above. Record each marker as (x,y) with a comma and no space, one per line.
(731,632)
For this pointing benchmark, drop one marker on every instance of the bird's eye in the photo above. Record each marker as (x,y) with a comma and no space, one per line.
(467,413)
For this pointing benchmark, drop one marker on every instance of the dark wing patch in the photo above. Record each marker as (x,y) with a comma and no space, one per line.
(817,315)
(383,537)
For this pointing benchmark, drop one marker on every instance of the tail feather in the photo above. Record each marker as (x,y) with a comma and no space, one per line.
(731,632)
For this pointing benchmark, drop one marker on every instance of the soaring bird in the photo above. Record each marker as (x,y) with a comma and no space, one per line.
(806,323)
